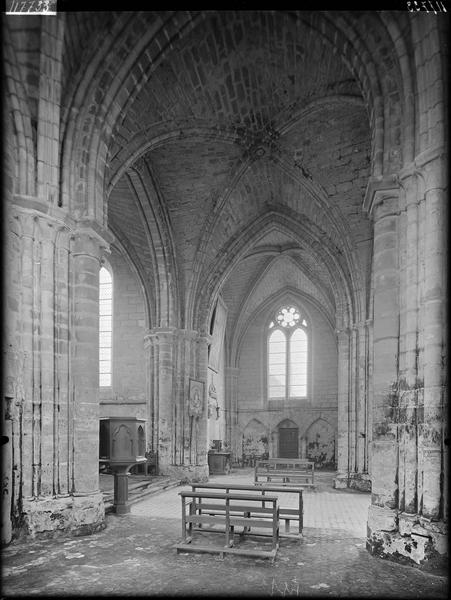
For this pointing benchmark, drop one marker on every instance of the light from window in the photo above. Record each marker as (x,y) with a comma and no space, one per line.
(287,355)
(298,363)
(277,364)
(105,326)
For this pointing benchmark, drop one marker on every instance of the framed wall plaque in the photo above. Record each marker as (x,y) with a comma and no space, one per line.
(196,398)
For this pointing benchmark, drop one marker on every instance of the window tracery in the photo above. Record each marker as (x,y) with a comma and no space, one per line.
(287,354)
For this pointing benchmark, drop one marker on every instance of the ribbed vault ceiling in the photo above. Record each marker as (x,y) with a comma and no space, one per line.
(250,112)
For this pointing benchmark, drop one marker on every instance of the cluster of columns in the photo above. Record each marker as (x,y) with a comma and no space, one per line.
(177,430)
(354,418)
(408,513)
(231,404)
(51,341)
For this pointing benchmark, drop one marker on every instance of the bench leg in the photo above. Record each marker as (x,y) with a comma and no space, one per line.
(275,529)
(247,528)
(232,531)
(301,514)
(184,519)
(192,511)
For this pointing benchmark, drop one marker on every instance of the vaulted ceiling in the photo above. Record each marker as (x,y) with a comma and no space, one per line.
(255,141)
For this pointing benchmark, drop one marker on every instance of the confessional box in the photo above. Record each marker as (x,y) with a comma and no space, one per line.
(122,440)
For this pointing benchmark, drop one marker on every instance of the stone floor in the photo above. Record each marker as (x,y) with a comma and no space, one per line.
(135,556)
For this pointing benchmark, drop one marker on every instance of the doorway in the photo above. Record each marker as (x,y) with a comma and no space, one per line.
(288,442)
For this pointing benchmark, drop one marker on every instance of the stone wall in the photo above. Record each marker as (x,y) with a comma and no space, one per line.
(321,402)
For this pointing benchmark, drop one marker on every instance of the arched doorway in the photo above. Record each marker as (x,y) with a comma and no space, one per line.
(288,446)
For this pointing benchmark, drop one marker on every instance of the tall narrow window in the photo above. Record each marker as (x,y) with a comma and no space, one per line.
(277,364)
(105,326)
(287,354)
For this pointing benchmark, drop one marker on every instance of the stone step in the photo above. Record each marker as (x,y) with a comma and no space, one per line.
(141,489)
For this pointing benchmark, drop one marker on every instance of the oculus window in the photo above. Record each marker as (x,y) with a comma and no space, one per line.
(287,354)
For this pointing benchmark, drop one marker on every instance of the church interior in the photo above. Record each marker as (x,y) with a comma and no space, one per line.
(229,229)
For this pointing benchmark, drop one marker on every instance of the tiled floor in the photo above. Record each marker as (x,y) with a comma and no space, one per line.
(323,508)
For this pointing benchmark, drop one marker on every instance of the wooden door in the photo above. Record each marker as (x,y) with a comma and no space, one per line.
(288,442)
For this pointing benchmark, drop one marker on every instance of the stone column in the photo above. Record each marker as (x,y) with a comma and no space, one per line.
(382,514)
(343,470)
(369,401)
(408,353)
(231,394)
(353,399)
(303,447)
(160,346)
(275,443)
(174,357)
(7,466)
(406,518)
(434,320)
(361,478)
(44,494)
(31,367)
(86,254)
(352,406)
(201,374)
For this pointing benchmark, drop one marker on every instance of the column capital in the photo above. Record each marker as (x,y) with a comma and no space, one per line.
(31,210)
(343,332)
(381,190)
(90,241)
(155,334)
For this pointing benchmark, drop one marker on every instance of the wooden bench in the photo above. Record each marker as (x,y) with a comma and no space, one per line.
(289,471)
(228,511)
(285,514)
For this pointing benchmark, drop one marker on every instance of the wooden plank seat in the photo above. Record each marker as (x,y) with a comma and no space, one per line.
(291,471)
(286,514)
(228,511)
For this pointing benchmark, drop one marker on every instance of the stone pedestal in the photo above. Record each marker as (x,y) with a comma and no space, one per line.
(121,475)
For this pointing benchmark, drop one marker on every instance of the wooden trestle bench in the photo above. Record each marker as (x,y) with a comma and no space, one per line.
(228,510)
(285,513)
(287,471)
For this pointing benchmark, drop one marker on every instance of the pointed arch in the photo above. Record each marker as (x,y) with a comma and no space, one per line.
(347,301)
(286,424)
(127,251)
(156,220)
(24,146)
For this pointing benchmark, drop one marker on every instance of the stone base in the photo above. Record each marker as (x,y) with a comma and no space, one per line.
(408,539)
(186,473)
(355,481)
(74,515)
